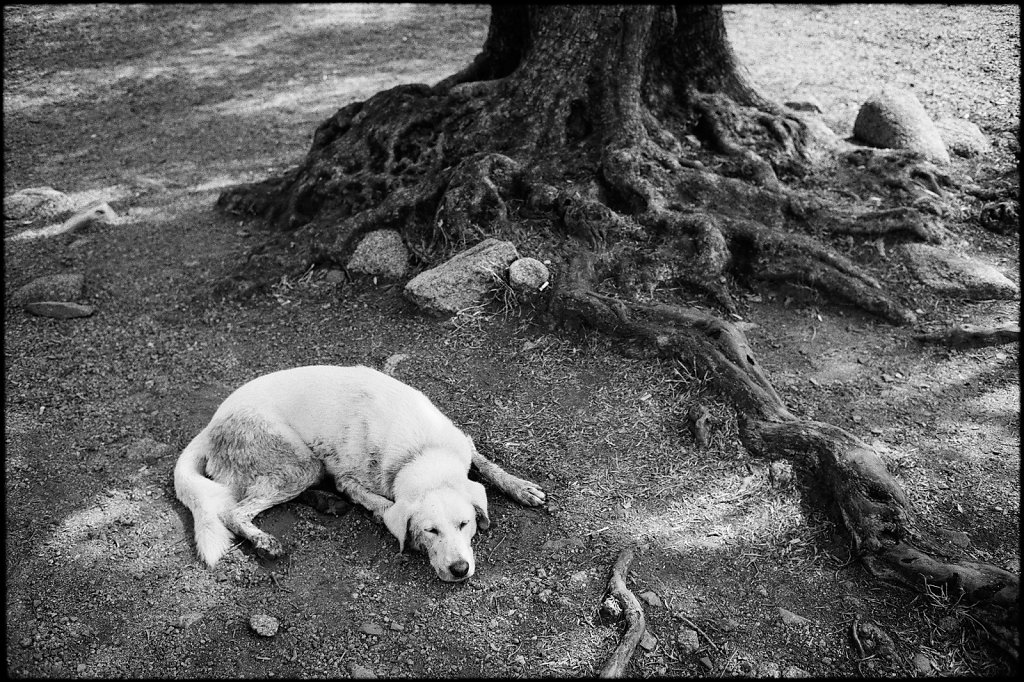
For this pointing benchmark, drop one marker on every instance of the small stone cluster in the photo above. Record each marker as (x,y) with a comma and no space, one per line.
(463,282)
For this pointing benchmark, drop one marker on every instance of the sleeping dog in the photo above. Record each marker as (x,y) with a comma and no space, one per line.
(383,443)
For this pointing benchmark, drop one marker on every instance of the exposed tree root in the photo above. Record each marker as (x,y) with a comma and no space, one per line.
(903,222)
(744,242)
(632,611)
(972,336)
(872,506)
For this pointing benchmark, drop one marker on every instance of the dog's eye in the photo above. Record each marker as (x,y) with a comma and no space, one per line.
(463,525)
(432,531)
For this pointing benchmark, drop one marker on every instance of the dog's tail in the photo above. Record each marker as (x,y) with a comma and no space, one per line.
(205,498)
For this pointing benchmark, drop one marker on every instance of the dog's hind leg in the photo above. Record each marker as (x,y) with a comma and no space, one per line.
(262,494)
(519,489)
(266,464)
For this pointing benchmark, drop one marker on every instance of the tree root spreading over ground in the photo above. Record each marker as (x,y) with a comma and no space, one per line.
(973,336)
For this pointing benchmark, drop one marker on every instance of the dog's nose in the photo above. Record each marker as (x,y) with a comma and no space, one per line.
(459,569)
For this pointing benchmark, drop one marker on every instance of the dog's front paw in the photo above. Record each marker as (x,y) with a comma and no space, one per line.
(525,492)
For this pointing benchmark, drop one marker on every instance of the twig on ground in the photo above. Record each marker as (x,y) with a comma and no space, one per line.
(693,626)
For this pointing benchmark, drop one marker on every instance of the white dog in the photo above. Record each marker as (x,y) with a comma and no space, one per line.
(383,443)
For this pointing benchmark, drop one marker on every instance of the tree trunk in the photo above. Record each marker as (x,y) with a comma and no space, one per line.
(626,139)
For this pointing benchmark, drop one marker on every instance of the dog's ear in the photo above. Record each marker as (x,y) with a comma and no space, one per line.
(478,495)
(397,518)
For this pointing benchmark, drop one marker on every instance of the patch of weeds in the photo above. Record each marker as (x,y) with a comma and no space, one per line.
(504,295)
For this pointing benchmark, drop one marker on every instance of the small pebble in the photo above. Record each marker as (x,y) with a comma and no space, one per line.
(264,625)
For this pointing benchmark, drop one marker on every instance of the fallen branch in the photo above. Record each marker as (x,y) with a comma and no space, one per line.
(964,335)
(636,624)
(80,219)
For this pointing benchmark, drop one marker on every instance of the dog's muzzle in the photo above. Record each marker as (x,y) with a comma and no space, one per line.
(459,570)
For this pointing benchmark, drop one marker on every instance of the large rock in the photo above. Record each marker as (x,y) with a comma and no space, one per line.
(955,275)
(962,137)
(36,203)
(464,280)
(63,287)
(895,119)
(381,253)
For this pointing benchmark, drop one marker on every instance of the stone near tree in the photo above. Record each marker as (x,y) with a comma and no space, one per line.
(464,280)
(528,275)
(60,310)
(957,276)
(805,102)
(651,598)
(62,287)
(962,137)
(36,203)
(895,119)
(790,618)
(381,253)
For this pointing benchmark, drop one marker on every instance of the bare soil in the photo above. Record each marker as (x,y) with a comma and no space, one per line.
(155,108)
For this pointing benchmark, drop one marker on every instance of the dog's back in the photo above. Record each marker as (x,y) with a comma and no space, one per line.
(348,413)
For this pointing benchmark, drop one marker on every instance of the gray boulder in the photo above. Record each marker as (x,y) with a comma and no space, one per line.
(895,119)
(63,287)
(60,310)
(36,203)
(955,275)
(464,280)
(962,137)
(381,253)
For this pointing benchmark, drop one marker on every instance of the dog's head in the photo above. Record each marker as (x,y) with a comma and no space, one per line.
(442,523)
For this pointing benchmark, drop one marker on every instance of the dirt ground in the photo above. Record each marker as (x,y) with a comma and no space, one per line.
(154,108)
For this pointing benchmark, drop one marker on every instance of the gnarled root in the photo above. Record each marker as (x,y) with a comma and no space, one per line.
(897,222)
(474,199)
(745,240)
(872,506)
(973,336)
